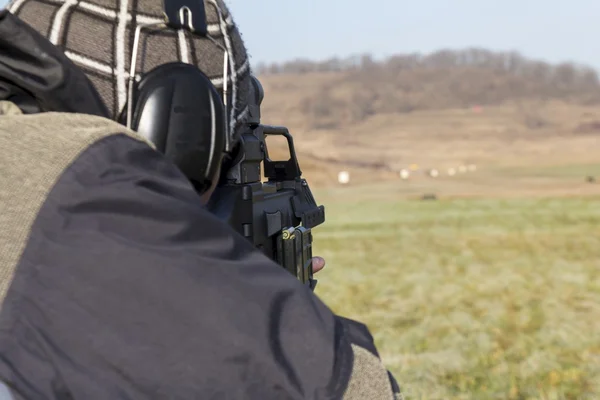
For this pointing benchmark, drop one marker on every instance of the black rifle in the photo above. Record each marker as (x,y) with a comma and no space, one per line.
(276,215)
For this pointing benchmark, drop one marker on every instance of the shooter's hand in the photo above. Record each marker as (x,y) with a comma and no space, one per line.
(318,263)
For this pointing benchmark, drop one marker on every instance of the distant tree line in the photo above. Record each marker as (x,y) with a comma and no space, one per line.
(362,86)
(564,75)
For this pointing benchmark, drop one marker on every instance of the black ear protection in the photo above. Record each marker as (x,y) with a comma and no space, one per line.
(176,106)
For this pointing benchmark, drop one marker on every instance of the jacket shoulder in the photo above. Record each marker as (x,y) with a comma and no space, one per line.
(35,150)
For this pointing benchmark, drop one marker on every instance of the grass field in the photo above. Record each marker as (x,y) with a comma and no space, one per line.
(470,298)
(493,290)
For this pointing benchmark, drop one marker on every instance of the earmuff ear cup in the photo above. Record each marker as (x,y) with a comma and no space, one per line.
(178,109)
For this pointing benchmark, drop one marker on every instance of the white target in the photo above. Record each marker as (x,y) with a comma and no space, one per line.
(404,174)
(344,177)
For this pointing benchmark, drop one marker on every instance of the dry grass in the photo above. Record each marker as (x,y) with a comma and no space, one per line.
(444,138)
(511,159)
(517,134)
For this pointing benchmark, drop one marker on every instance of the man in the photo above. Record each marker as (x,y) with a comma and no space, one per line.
(115,282)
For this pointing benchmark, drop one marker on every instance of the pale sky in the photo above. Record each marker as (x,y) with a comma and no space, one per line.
(553,30)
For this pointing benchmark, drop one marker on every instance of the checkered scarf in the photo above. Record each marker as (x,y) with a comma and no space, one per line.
(97,35)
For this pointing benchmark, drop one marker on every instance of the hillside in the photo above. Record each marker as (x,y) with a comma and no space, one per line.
(346,91)
(438,111)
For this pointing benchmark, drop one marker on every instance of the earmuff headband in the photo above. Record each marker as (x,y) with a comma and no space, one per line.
(176,106)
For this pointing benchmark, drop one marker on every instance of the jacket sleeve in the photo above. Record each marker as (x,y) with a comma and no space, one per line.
(129,289)
(369,378)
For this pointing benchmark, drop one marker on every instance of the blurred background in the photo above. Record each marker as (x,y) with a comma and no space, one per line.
(455,146)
